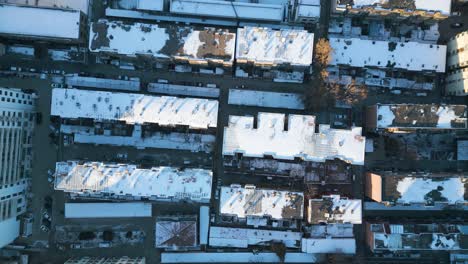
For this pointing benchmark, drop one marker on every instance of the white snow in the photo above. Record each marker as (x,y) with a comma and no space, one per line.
(81,5)
(23,50)
(329,245)
(228,9)
(174,140)
(413,56)
(59,55)
(10,229)
(145,38)
(192,43)
(236,257)
(446,116)
(345,210)
(300,139)
(265,99)
(134,108)
(385,116)
(107,210)
(164,183)
(175,89)
(444,242)
(243,237)
(153,5)
(443,6)
(47,23)
(93,82)
(263,45)
(413,190)
(236,200)
(150,39)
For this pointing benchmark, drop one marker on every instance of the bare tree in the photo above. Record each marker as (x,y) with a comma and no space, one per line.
(351,94)
(322,53)
(280,250)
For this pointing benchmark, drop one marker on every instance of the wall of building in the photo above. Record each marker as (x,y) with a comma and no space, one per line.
(16,128)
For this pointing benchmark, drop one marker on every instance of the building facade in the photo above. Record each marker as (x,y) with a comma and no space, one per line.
(17,121)
(457,65)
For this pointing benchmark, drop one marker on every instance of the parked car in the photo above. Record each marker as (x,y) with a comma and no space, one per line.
(44,228)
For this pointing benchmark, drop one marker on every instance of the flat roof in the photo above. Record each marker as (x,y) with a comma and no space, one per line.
(335,209)
(412,56)
(462,149)
(421,116)
(263,45)
(45,22)
(443,6)
(134,108)
(236,257)
(176,234)
(163,41)
(244,237)
(406,237)
(10,231)
(411,188)
(81,5)
(329,245)
(244,202)
(153,5)
(265,99)
(93,82)
(299,140)
(304,10)
(229,9)
(107,210)
(128,180)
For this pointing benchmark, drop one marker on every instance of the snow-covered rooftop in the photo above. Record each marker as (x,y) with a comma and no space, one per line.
(418,237)
(421,116)
(263,45)
(413,56)
(84,81)
(334,209)
(16,20)
(265,99)
(164,42)
(107,210)
(153,5)
(308,8)
(442,6)
(420,190)
(228,9)
(120,180)
(250,201)
(81,5)
(299,140)
(329,245)
(176,235)
(243,237)
(134,108)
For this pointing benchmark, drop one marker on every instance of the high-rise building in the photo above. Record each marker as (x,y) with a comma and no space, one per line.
(17,119)
(457,64)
